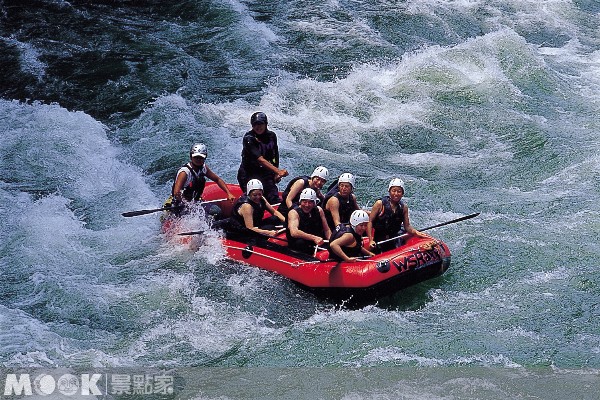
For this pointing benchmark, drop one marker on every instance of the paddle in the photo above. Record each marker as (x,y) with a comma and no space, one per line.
(431,227)
(153,210)
(317,248)
(191,233)
(263,234)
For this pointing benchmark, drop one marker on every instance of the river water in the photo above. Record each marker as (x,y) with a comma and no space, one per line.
(480,106)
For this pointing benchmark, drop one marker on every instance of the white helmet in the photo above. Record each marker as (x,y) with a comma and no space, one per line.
(396,182)
(358,217)
(309,194)
(321,172)
(253,184)
(198,149)
(347,177)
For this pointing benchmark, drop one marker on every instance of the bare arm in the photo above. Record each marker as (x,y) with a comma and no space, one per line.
(333,206)
(294,191)
(293,221)
(246,212)
(179,184)
(366,252)
(220,182)
(375,210)
(326,228)
(274,212)
(279,173)
(356,206)
(336,246)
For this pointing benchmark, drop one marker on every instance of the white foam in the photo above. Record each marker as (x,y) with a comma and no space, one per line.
(249,283)
(318,118)
(59,150)
(29,58)
(210,329)
(261,33)
(520,332)
(27,342)
(398,356)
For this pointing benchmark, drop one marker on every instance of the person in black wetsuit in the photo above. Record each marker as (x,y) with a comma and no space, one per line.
(346,242)
(260,158)
(307,226)
(389,219)
(291,194)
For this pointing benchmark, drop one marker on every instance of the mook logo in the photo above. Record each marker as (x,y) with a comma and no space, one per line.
(46,384)
(93,384)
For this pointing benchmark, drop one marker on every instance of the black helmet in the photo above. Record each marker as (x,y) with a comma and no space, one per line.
(258,118)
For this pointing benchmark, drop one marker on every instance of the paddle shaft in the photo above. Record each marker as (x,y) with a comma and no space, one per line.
(153,210)
(271,237)
(452,221)
(190,233)
(431,227)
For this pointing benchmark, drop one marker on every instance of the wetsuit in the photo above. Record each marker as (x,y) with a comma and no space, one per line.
(254,146)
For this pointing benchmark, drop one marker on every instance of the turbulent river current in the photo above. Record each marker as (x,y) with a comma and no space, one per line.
(478,105)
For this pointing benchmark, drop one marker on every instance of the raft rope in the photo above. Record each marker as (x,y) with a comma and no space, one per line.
(295,264)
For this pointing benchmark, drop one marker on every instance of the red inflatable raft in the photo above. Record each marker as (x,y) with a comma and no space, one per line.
(363,280)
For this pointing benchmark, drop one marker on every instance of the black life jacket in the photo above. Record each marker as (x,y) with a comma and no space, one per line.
(333,188)
(258,210)
(283,208)
(194,190)
(349,251)
(345,209)
(389,222)
(309,223)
